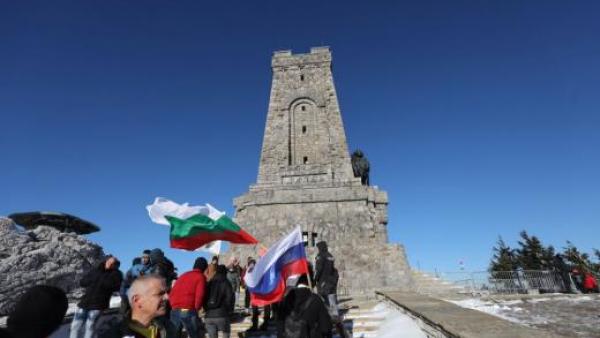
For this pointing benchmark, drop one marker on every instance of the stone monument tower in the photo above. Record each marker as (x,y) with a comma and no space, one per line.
(305,179)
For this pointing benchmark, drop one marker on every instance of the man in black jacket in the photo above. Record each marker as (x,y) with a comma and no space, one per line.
(326,278)
(304,314)
(99,283)
(219,304)
(162,266)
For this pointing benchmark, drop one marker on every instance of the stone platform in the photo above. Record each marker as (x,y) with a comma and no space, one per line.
(443,319)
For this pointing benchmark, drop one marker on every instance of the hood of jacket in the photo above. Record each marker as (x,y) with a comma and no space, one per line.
(322,246)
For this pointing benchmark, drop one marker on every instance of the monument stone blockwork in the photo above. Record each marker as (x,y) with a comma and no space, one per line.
(305,179)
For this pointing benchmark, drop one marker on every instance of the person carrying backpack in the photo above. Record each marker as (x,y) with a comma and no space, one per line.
(304,313)
(219,304)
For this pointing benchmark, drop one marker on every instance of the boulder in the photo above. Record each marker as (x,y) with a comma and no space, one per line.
(43,255)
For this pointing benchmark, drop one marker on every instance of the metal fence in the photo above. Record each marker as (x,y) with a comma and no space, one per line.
(508,282)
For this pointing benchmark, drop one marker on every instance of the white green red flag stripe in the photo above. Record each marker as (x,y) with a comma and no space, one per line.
(195,226)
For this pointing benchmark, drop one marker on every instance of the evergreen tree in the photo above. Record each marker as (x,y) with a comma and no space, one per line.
(530,255)
(548,258)
(596,265)
(580,260)
(504,257)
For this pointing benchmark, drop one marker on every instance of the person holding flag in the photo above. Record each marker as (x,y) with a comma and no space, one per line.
(195,226)
(286,258)
(302,313)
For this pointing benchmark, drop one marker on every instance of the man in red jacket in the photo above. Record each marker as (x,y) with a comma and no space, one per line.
(187,297)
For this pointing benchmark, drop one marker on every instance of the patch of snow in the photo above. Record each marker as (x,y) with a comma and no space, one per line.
(396,322)
(489,307)
(115,302)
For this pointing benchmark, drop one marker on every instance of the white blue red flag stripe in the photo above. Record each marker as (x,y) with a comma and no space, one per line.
(286,258)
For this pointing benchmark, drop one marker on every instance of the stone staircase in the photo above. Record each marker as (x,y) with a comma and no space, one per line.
(359,317)
(429,285)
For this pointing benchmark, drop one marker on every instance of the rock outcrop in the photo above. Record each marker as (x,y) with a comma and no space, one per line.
(44,255)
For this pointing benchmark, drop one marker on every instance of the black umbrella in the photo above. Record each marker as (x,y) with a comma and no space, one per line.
(58,220)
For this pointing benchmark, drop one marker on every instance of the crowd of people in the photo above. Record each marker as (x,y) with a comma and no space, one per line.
(156,303)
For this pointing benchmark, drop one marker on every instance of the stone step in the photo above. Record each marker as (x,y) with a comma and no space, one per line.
(359,315)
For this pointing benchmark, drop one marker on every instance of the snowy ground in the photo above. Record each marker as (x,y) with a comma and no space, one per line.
(572,315)
(396,324)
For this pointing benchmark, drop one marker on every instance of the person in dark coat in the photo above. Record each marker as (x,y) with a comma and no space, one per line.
(219,304)
(99,283)
(326,278)
(38,312)
(148,296)
(162,266)
(302,307)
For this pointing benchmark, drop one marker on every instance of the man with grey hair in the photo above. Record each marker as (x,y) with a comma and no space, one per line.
(148,297)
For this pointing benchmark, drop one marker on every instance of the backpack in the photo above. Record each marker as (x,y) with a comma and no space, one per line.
(295,326)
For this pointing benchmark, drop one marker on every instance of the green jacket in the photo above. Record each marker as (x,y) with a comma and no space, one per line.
(164,329)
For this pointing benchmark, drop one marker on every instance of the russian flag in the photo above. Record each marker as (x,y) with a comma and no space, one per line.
(286,258)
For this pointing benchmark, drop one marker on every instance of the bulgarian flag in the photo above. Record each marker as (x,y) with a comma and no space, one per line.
(195,226)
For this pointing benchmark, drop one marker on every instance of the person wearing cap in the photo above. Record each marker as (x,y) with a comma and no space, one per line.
(187,298)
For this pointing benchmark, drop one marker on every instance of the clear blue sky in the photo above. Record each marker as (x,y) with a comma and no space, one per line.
(480,118)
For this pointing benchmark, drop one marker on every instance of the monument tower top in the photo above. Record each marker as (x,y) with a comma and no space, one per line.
(304,141)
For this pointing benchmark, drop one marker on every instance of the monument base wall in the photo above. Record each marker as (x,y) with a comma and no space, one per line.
(351,219)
